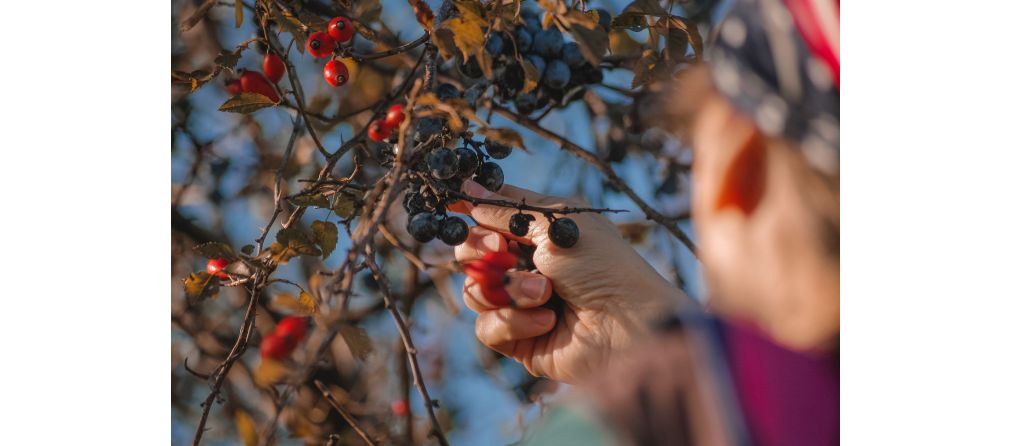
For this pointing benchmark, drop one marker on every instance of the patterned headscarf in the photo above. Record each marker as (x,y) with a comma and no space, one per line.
(778,63)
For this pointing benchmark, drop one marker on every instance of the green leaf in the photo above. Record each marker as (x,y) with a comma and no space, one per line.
(317,200)
(345,204)
(213,250)
(227,58)
(290,24)
(357,341)
(505,136)
(246,103)
(199,286)
(303,305)
(325,235)
(292,243)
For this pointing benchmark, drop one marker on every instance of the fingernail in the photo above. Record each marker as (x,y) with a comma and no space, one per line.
(476,190)
(543,317)
(492,242)
(533,287)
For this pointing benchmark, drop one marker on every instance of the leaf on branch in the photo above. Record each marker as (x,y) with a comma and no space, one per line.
(685,26)
(197,15)
(531,76)
(303,305)
(292,243)
(593,42)
(312,21)
(199,286)
(239,11)
(622,45)
(213,250)
(633,22)
(325,235)
(423,14)
(317,200)
(357,341)
(228,59)
(244,423)
(246,103)
(346,203)
(248,249)
(644,7)
(291,25)
(446,109)
(238,270)
(269,372)
(505,136)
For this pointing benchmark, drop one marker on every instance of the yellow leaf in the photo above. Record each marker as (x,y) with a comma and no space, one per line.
(269,372)
(239,10)
(200,285)
(304,305)
(346,203)
(325,234)
(357,341)
(246,103)
(244,423)
(466,35)
(505,136)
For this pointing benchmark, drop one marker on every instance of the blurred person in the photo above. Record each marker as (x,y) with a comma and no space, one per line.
(648,365)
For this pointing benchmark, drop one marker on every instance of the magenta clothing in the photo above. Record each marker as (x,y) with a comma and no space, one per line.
(787,398)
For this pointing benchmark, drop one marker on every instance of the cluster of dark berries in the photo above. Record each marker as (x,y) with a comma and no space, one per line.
(442,172)
(322,44)
(562,72)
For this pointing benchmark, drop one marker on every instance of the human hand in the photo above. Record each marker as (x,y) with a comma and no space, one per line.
(610,294)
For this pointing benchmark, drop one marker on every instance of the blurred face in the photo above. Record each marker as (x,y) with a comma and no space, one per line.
(765,225)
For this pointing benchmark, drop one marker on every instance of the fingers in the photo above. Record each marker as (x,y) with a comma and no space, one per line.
(527,290)
(499,327)
(497,218)
(479,242)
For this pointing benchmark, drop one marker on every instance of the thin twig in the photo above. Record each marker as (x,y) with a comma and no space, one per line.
(670,223)
(343,413)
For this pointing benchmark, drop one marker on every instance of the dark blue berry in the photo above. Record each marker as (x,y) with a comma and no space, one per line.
(548,43)
(538,63)
(413,203)
(524,40)
(446,92)
(454,231)
(572,56)
(563,232)
(519,224)
(526,103)
(490,176)
(558,74)
(468,162)
(470,68)
(423,227)
(496,150)
(494,45)
(604,19)
(428,127)
(443,163)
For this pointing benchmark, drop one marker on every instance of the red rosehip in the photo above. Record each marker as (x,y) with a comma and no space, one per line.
(394,116)
(255,82)
(276,347)
(489,274)
(216,267)
(399,408)
(319,44)
(335,73)
(234,86)
(378,131)
(273,67)
(293,327)
(340,30)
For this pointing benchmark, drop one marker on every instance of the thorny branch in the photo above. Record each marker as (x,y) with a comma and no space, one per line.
(343,413)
